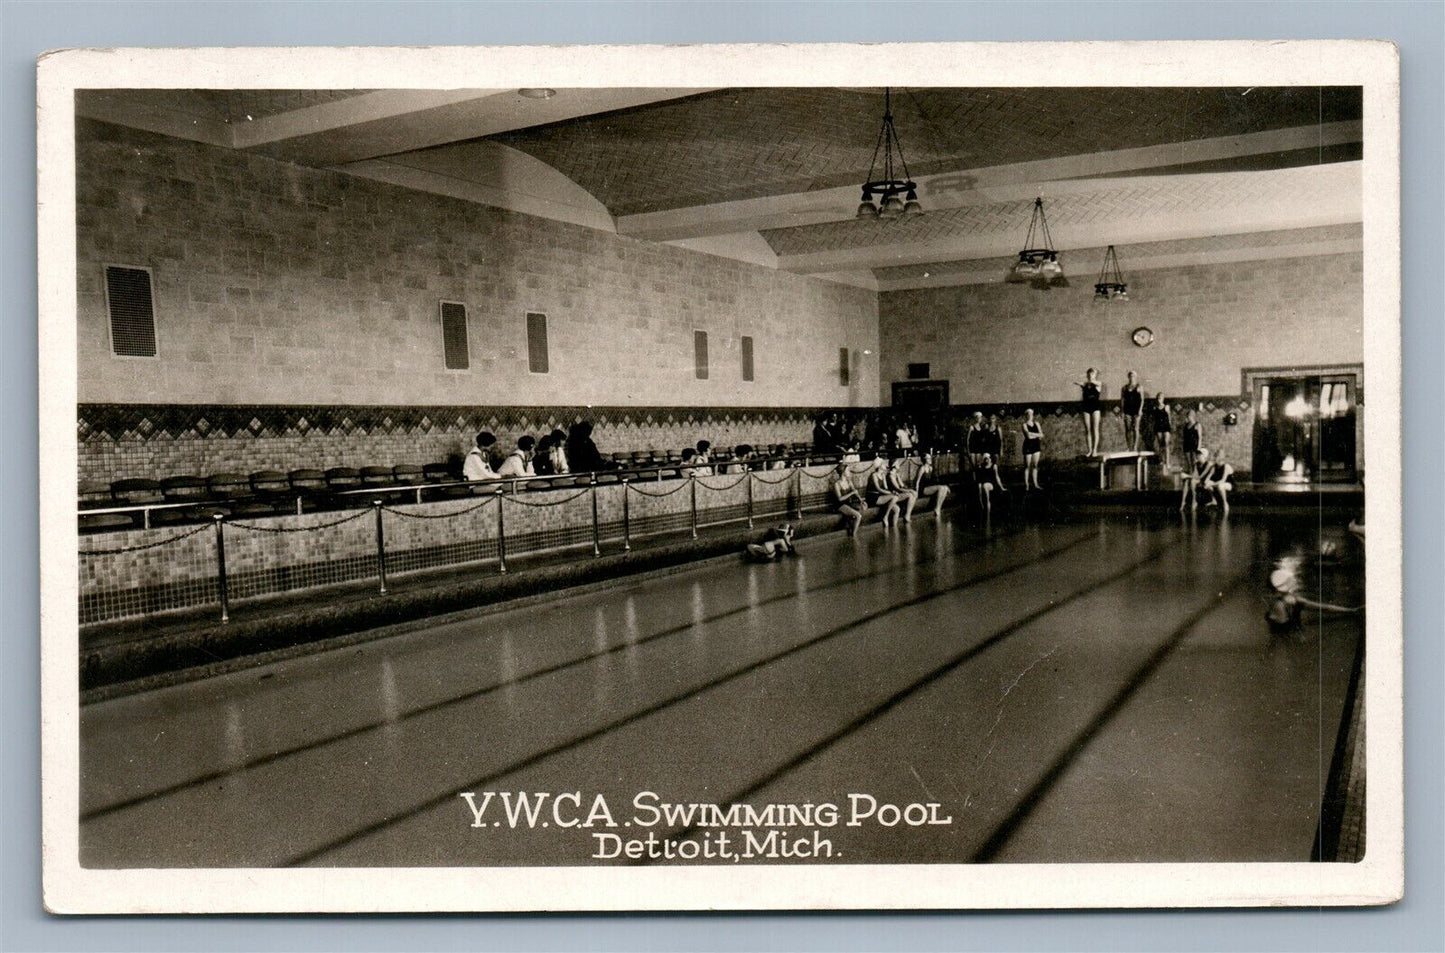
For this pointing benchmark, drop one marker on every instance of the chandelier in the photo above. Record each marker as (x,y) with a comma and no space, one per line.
(1111,286)
(889,187)
(1038,263)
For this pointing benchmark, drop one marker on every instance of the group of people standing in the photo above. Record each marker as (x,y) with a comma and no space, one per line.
(1132,409)
(1203,471)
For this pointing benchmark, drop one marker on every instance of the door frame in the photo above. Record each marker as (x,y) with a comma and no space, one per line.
(1252,377)
(940,387)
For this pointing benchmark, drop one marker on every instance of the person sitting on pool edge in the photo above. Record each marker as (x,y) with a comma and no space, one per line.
(1191,476)
(984,476)
(906,496)
(1215,481)
(935,491)
(879,493)
(776,542)
(846,498)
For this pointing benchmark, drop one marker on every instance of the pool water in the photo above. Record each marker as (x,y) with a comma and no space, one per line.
(1093,690)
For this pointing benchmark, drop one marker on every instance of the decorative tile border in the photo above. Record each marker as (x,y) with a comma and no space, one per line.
(150,422)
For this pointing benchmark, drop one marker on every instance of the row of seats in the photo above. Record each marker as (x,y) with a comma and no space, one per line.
(272,492)
(658,458)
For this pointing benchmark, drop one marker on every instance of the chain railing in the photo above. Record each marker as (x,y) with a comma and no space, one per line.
(503,494)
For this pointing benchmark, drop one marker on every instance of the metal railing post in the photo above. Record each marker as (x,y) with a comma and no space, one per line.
(221,588)
(501,533)
(626,518)
(596,537)
(380,546)
(692,492)
(749,480)
(798,489)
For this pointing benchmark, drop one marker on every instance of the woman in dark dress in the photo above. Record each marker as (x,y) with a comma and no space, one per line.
(582,453)
(542,462)
(1091,407)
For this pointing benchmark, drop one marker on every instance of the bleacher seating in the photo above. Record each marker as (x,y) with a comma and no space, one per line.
(308,489)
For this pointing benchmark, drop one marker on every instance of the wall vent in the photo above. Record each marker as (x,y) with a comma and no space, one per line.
(454,336)
(747,349)
(132,311)
(537,360)
(699,354)
(918,372)
(845,370)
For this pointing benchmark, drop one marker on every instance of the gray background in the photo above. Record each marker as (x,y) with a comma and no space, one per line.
(28,28)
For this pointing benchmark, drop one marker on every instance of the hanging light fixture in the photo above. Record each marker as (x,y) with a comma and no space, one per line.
(1038,263)
(889,187)
(1111,285)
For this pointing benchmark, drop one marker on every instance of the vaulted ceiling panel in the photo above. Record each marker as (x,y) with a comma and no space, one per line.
(747,143)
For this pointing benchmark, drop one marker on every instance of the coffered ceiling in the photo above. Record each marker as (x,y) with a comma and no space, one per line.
(772,175)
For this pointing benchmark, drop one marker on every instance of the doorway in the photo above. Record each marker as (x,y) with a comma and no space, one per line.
(926,403)
(1304,429)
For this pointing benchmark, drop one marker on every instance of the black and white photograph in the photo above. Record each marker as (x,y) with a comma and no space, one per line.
(721,477)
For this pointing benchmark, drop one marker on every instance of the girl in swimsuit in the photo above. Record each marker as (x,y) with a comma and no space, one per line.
(879,493)
(983,476)
(1216,482)
(1091,408)
(847,499)
(973,443)
(1033,450)
(1194,478)
(1131,405)
(937,492)
(1163,430)
(907,497)
(1190,439)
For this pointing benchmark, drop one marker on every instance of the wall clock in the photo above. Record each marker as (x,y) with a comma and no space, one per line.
(1142,337)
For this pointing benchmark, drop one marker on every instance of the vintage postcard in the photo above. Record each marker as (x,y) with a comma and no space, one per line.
(760,477)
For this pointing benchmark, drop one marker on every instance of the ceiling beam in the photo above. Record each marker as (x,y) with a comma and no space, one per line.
(1083,263)
(389,122)
(980,186)
(1129,211)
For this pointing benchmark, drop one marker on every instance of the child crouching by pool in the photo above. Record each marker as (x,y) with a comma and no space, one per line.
(776,542)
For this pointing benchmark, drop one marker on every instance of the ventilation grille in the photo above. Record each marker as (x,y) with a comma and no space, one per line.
(454,336)
(132,313)
(699,354)
(537,361)
(845,371)
(747,349)
(918,372)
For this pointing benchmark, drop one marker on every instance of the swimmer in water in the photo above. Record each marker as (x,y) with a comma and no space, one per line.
(1287,604)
